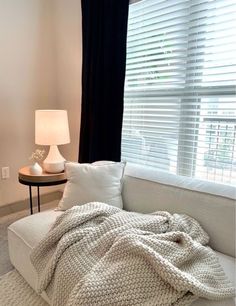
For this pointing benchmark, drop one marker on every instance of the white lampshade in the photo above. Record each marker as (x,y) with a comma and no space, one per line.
(51,127)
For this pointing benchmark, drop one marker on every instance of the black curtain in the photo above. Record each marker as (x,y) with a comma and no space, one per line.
(104,27)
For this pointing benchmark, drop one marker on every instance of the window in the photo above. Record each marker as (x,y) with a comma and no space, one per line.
(180,88)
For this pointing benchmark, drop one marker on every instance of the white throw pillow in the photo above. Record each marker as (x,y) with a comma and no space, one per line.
(100,182)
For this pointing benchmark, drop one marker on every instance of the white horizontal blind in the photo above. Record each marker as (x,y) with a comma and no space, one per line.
(180,102)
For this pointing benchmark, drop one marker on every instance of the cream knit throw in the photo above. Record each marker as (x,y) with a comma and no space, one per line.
(97,254)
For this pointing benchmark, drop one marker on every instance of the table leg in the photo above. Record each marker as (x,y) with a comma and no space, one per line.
(38,199)
(31,202)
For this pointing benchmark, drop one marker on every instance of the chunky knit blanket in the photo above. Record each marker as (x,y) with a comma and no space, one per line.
(97,254)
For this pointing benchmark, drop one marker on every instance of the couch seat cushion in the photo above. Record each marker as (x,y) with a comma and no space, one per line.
(25,233)
(33,228)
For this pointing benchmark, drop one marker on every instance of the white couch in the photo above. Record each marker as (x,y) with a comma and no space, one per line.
(146,190)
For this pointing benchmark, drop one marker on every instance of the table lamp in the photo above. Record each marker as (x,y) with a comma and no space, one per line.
(51,128)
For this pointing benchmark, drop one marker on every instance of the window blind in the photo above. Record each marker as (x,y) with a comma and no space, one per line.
(180,102)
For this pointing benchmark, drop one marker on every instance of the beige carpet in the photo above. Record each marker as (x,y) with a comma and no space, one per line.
(14,291)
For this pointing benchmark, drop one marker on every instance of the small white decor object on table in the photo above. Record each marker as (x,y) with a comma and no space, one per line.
(36,156)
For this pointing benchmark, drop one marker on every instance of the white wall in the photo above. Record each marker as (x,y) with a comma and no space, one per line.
(40,62)
(68,42)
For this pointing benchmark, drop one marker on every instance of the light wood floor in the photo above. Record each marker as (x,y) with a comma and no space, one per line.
(5,264)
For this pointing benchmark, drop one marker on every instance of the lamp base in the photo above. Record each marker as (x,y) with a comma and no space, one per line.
(54,162)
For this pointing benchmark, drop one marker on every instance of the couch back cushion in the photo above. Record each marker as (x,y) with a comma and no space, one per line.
(101,182)
(212,205)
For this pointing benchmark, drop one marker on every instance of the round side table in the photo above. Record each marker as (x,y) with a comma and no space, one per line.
(45,179)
